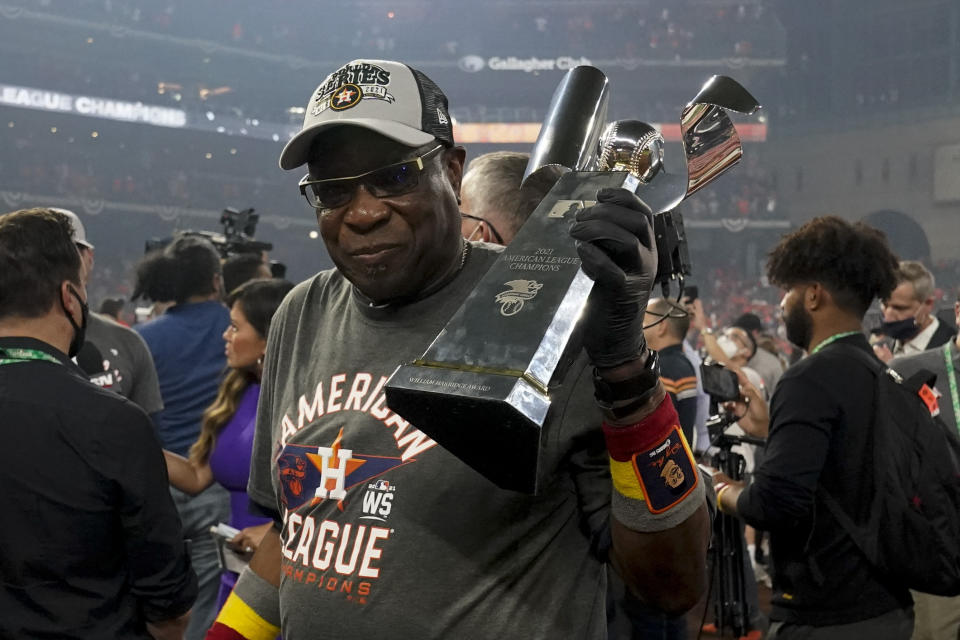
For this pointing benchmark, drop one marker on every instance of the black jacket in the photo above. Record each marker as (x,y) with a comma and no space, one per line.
(91,541)
(819,416)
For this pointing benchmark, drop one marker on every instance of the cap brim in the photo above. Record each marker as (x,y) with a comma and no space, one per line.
(85,244)
(296,152)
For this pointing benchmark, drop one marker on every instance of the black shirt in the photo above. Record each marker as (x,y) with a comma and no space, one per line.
(819,416)
(91,542)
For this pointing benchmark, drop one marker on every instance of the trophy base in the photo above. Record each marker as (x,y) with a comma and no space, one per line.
(490,421)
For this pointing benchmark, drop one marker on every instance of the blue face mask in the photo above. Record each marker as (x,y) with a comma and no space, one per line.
(901,330)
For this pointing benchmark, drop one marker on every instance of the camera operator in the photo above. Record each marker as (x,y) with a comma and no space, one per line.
(243,267)
(820,417)
(739,424)
(187,348)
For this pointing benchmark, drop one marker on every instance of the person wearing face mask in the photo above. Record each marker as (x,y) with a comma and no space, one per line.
(766,357)
(938,618)
(820,421)
(92,546)
(222,452)
(118,358)
(908,318)
(493,205)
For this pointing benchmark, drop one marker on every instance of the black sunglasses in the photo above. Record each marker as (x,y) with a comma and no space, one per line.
(496,234)
(392,180)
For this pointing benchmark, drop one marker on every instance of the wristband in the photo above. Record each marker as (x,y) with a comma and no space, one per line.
(721,488)
(655,480)
(251,612)
(640,385)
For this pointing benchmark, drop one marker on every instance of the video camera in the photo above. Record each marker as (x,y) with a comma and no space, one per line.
(722,385)
(728,548)
(239,229)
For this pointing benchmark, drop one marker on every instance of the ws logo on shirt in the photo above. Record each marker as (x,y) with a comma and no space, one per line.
(378,500)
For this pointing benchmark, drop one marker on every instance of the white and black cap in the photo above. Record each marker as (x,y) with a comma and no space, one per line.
(388,97)
(79,232)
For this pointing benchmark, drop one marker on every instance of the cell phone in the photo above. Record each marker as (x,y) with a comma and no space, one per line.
(720,383)
(228,557)
(691,293)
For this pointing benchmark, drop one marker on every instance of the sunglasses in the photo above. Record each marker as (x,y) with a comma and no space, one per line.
(493,229)
(392,180)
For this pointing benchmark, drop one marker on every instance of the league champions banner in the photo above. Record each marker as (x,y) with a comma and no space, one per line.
(483,389)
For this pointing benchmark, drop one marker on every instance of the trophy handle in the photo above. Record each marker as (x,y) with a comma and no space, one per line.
(710,141)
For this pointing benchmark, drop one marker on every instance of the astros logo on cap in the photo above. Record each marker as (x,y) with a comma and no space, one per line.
(349,95)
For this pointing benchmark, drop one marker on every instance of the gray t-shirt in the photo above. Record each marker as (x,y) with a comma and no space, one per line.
(769,368)
(128,367)
(417,544)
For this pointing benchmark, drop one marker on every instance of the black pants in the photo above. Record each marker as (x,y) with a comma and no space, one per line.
(893,625)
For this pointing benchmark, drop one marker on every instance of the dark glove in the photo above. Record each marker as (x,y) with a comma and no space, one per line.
(618,251)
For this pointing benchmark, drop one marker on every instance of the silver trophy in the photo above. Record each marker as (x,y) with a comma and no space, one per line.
(482,389)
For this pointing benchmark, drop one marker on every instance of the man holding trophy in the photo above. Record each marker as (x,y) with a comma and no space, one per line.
(382,533)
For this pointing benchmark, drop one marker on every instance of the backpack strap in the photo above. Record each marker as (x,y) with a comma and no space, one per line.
(875,365)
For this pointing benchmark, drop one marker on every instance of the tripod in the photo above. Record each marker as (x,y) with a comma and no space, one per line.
(730,604)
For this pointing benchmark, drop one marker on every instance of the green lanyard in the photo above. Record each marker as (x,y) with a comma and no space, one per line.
(11,356)
(952,377)
(832,339)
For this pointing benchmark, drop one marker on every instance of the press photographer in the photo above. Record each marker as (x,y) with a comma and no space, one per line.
(737,425)
(242,257)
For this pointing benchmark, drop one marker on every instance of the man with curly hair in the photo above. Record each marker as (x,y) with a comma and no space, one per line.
(831,271)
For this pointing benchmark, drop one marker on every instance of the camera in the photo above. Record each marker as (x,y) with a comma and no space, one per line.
(721,384)
(239,228)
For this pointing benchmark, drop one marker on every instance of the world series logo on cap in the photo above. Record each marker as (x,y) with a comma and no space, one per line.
(351,84)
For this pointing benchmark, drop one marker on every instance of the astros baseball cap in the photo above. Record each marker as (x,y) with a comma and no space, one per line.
(79,233)
(388,97)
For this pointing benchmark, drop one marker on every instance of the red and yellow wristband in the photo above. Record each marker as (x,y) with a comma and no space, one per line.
(651,461)
(240,619)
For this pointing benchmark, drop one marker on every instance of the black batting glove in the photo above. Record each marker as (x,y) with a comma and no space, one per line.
(618,251)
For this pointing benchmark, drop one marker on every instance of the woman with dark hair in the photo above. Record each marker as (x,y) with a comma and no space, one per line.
(222,452)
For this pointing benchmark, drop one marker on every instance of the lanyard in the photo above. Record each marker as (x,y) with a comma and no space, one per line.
(11,356)
(952,377)
(832,339)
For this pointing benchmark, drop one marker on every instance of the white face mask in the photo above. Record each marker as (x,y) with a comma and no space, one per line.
(728,346)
